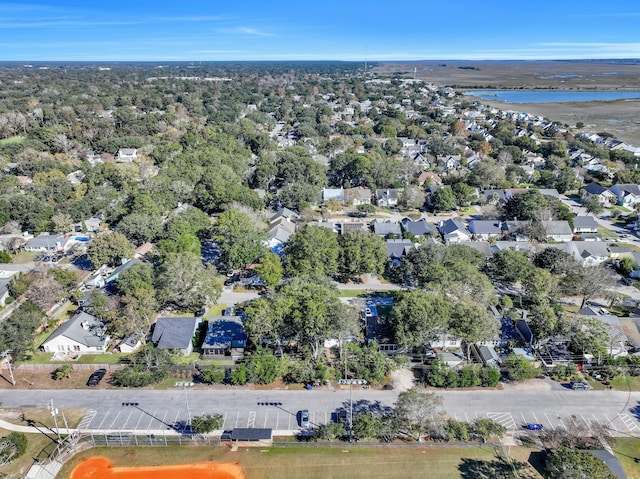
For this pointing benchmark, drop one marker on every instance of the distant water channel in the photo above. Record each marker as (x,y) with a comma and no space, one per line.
(552,96)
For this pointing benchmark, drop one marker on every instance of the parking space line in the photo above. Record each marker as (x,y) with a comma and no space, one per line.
(266,416)
(114,420)
(586,422)
(175,420)
(151,419)
(237,418)
(562,424)
(103,420)
(549,422)
(140,419)
(535,418)
(224,419)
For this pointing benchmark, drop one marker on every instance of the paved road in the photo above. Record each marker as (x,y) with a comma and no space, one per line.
(168,409)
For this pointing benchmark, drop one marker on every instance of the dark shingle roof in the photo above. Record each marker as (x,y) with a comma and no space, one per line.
(174,333)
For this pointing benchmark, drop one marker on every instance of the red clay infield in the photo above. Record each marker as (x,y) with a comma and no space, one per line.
(101,468)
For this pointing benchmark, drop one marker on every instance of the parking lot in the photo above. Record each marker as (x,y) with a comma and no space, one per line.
(278,417)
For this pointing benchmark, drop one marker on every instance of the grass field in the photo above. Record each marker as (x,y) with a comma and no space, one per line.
(334,463)
(627,450)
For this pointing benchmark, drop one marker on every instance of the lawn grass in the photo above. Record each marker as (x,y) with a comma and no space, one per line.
(606,233)
(321,463)
(626,383)
(627,450)
(13,139)
(38,445)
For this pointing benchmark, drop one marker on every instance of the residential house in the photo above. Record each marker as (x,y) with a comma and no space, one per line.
(627,194)
(126,155)
(83,333)
(352,226)
(617,338)
(13,242)
(451,163)
(225,338)
(589,253)
(175,333)
(284,213)
(378,329)
(454,231)
(115,274)
(130,344)
(397,249)
(385,228)
(279,233)
(585,224)
(421,161)
(357,196)
(485,229)
(483,247)
(418,228)
(428,177)
(49,243)
(90,225)
(558,230)
(387,197)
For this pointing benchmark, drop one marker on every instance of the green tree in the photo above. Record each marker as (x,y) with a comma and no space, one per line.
(206,423)
(140,228)
(270,269)
(239,375)
(443,199)
(418,316)
(5,257)
(212,375)
(485,428)
(312,250)
(473,323)
(510,265)
(239,239)
(587,281)
(12,447)
(184,281)
(592,205)
(568,463)
(109,249)
(147,366)
(457,430)
(517,368)
(63,371)
(17,332)
(262,367)
(418,413)
(19,284)
(329,431)
(361,252)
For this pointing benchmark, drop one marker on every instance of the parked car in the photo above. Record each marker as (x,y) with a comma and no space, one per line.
(533,427)
(304,418)
(96,377)
(579,385)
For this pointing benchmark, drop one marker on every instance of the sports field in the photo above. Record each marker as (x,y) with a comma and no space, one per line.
(327,463)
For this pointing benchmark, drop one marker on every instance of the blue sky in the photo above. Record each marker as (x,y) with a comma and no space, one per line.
(187,30)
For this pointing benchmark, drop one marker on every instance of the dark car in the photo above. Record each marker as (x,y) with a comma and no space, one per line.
(96,377)
(534,427)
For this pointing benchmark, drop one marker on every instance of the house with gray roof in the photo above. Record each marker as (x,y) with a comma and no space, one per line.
(485,229)
(627,194)
(175,333)
(384,228)
(454,231)
(590,253)
(585,224)
(332,194)
(397,248)
(418,228)
(49,243)
(357,196)
(83,333)
(387,197)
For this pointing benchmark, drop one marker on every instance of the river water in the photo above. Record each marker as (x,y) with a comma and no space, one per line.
(552,96)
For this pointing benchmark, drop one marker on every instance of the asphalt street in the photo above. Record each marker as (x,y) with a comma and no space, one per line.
(144,410)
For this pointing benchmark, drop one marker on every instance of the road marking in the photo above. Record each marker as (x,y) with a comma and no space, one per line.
(586,422)
(151,420)
(140,419)
(251,421)
(87,419)
(562,424)
(237,417)
(224,419)
(114,420)
(266,416)
(505,419)
(628,422)
(549,422)
(103,420)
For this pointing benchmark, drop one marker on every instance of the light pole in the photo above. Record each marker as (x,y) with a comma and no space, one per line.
(54,413)
(184,385)
(5,356)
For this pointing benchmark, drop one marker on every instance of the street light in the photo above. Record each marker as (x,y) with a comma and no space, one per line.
(184,385)
(54,413)
(351,382)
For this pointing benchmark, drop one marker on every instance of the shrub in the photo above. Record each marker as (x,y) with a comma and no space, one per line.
(213,375)
(12,446)
(239,375)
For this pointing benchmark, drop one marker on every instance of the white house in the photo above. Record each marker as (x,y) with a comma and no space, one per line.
(627,194)
(454,231)
(126,155)
(387,197)
(83,333)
